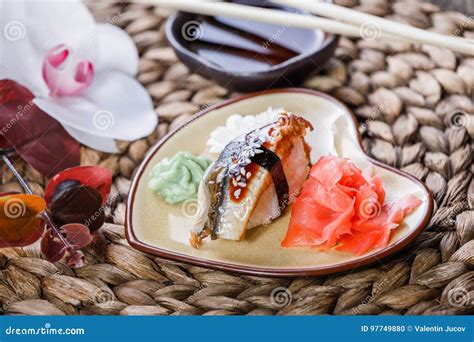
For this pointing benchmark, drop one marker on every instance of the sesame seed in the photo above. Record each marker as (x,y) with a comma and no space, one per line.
(237,193)
(249,174)
(242,184)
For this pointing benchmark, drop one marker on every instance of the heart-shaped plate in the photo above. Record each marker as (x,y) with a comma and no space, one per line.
(156,227)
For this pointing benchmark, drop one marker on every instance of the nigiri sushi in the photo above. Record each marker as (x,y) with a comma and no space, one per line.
(254,179)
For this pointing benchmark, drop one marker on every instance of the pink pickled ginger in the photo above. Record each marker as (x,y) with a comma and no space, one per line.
(340,207)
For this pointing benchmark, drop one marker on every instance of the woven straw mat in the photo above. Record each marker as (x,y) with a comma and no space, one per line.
(415,104)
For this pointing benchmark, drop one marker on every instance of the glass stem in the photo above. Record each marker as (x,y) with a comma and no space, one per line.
(17,174)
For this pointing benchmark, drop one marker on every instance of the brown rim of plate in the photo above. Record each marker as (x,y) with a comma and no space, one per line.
(259,271)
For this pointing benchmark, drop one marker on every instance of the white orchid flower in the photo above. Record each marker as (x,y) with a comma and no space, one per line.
(80,72)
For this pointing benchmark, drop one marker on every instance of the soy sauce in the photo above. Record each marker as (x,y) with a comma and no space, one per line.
(245,46)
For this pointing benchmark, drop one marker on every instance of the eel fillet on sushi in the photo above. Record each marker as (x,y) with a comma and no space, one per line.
(254,179)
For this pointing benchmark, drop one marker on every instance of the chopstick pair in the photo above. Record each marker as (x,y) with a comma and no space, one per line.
(384,26)
(341,20)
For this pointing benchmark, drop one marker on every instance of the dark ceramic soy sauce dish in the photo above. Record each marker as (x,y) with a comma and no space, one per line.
(247,56)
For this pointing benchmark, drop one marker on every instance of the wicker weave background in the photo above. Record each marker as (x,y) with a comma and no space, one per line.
(416,107)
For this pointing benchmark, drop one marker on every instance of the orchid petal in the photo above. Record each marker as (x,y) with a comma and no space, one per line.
(115,106)
(31,28)
(51,23)
(93,141)
(115,50)
(19,60)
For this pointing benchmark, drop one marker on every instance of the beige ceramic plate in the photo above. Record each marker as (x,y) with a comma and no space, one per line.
(158,228)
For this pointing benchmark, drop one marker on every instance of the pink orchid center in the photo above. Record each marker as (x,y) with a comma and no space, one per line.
(65,73)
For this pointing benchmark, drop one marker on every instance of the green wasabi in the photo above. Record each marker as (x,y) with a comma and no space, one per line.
(177,179)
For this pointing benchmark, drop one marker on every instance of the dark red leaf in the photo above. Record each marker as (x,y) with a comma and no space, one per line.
(52,248)
(12,91)
(77,234)
(78,204)
(93,176)
(4,144)
(56,246)
(37,137)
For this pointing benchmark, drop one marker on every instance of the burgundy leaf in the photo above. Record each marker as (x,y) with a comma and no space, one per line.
(96,177)
(78,204)
(37,137)
(52,248)
(55,246)
(12,91)
(77,234)
(4,144)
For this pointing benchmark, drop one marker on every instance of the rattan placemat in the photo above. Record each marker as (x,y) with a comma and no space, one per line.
(415,104)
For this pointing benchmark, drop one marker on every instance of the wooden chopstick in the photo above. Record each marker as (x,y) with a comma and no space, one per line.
(361,19)
(277,17)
